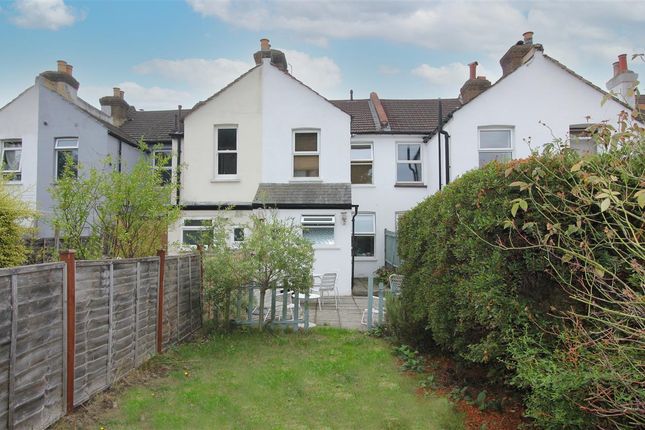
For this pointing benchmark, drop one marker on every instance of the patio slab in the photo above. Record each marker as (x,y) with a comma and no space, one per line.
(348,315)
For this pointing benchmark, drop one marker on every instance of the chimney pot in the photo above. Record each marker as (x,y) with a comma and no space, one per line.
(122,94)
(528,38)
(622,63)
(116,91)
(62,66)
(616,66)
(69,69)
(481,77)
(473,69)
(264,44)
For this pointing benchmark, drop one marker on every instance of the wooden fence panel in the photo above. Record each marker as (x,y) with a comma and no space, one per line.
(170,302)
(195,292)
(147,310)
(92,329)
(5,348)
(123,321)
(184,312)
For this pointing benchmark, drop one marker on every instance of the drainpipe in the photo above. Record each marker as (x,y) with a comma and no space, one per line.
(120,154)
(446,135)
(439,142)
(355,207)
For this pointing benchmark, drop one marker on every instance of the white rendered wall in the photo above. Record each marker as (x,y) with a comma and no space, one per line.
(383,197)
(238,105)
(19,120)
(537,91)
(288,105)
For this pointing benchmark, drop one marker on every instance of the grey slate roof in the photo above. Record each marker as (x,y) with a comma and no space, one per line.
(413,116)
(305,193)
(154,125)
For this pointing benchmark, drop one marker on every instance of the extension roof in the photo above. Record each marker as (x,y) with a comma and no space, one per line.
(310,194)
(154,125)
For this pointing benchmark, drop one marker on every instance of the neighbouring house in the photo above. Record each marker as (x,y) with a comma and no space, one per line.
(48,125)
(268,142)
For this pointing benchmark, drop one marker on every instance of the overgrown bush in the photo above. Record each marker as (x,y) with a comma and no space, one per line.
(15,217)
(535,269)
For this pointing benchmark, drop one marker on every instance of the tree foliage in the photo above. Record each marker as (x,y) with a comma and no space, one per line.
(107,213)
(15,219)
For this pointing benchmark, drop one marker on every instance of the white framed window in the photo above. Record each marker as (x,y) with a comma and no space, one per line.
(306,153)
(409,167)
(364,234)
(318,229)
(226,155)
(362,162)
(66,155)
(10,157)
(581,140)
(495,144)
(162,160)
(237,235)
(197,231)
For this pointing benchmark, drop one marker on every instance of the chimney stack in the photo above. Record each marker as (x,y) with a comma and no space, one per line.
(276,57)
(528,38)
(516,53)
(623,83)
(61,80)
(115,106)
(474,86)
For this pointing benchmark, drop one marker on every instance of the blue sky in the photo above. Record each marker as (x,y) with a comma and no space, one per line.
(164,53)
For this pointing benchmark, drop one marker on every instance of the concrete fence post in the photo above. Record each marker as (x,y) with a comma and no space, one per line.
(162,264)
(69,257)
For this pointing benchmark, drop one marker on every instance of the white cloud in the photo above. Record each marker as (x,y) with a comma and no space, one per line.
(454,74)
(386,70)
(204,74)
(147,98)
(45,14)
(210,75)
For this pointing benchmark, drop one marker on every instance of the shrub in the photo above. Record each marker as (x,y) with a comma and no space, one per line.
(14,218)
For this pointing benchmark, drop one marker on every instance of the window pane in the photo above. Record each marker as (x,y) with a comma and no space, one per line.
(319,236)
(361,152)
(408,172)
(305,166)
(162,157)
(227,139)
(491,139)
(364,246)
(487,157)
(198,222)
(166,176)
(409,152)
(238,234)
(362,173)
(11,159)
(66,143)
(364,223)
(197,237)
(63,157)
(227,163)
(584,145)
(306,142)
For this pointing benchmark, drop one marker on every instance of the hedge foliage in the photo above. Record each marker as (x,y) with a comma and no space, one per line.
(525,268)
(15,217)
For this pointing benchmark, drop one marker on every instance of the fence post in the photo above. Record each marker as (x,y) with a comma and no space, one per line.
(380,303)
(70,261)
(162,265)
(370,301)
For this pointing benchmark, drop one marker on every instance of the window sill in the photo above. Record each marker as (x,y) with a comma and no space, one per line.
(13,182)
(326,248)
(409,185)
(364,185)
(307,179)
(225,179)
(366,259)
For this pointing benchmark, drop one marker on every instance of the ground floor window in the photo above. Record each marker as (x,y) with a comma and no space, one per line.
(318,229)
(197,231)
(364,235)
(162,160)
(581,140)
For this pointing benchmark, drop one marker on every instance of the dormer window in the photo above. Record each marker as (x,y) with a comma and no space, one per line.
(306,154)
(226,152)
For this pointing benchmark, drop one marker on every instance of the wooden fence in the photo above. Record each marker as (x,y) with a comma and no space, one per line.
(70,330)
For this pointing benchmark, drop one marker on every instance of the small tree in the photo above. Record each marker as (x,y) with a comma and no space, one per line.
(14,218)
(276,251)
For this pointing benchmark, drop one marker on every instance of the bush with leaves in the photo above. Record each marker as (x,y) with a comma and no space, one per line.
(108,213)
(15,218)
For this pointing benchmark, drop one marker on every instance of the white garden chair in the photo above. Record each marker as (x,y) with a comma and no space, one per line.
(395,283)
(327,286)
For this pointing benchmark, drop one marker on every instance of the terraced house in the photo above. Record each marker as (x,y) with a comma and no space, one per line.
(345,170)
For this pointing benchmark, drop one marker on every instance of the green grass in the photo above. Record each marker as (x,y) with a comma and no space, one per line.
(324,379)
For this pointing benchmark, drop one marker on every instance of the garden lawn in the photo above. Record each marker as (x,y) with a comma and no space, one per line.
(324,379)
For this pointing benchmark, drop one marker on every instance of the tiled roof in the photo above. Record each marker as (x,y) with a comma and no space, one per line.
(305,193)
(414,116)
(153,126)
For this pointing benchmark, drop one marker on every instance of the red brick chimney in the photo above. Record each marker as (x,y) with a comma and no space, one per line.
(115,106)
(474,86)
(624,81)
(380,110)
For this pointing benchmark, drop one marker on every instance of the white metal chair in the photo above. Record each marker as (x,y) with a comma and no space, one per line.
(395,283)
(327,286)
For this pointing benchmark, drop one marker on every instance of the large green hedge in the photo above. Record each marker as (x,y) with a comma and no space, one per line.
(535,269)
(15,217)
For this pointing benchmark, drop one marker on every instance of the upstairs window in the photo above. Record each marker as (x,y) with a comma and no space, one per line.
(495,144)
(364,235)
(318,229)
(362,160)
(226,150)
(10,154)
(162,160)
(306,154)
(581,140)
(66,156)
(408,163)
(197,231)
